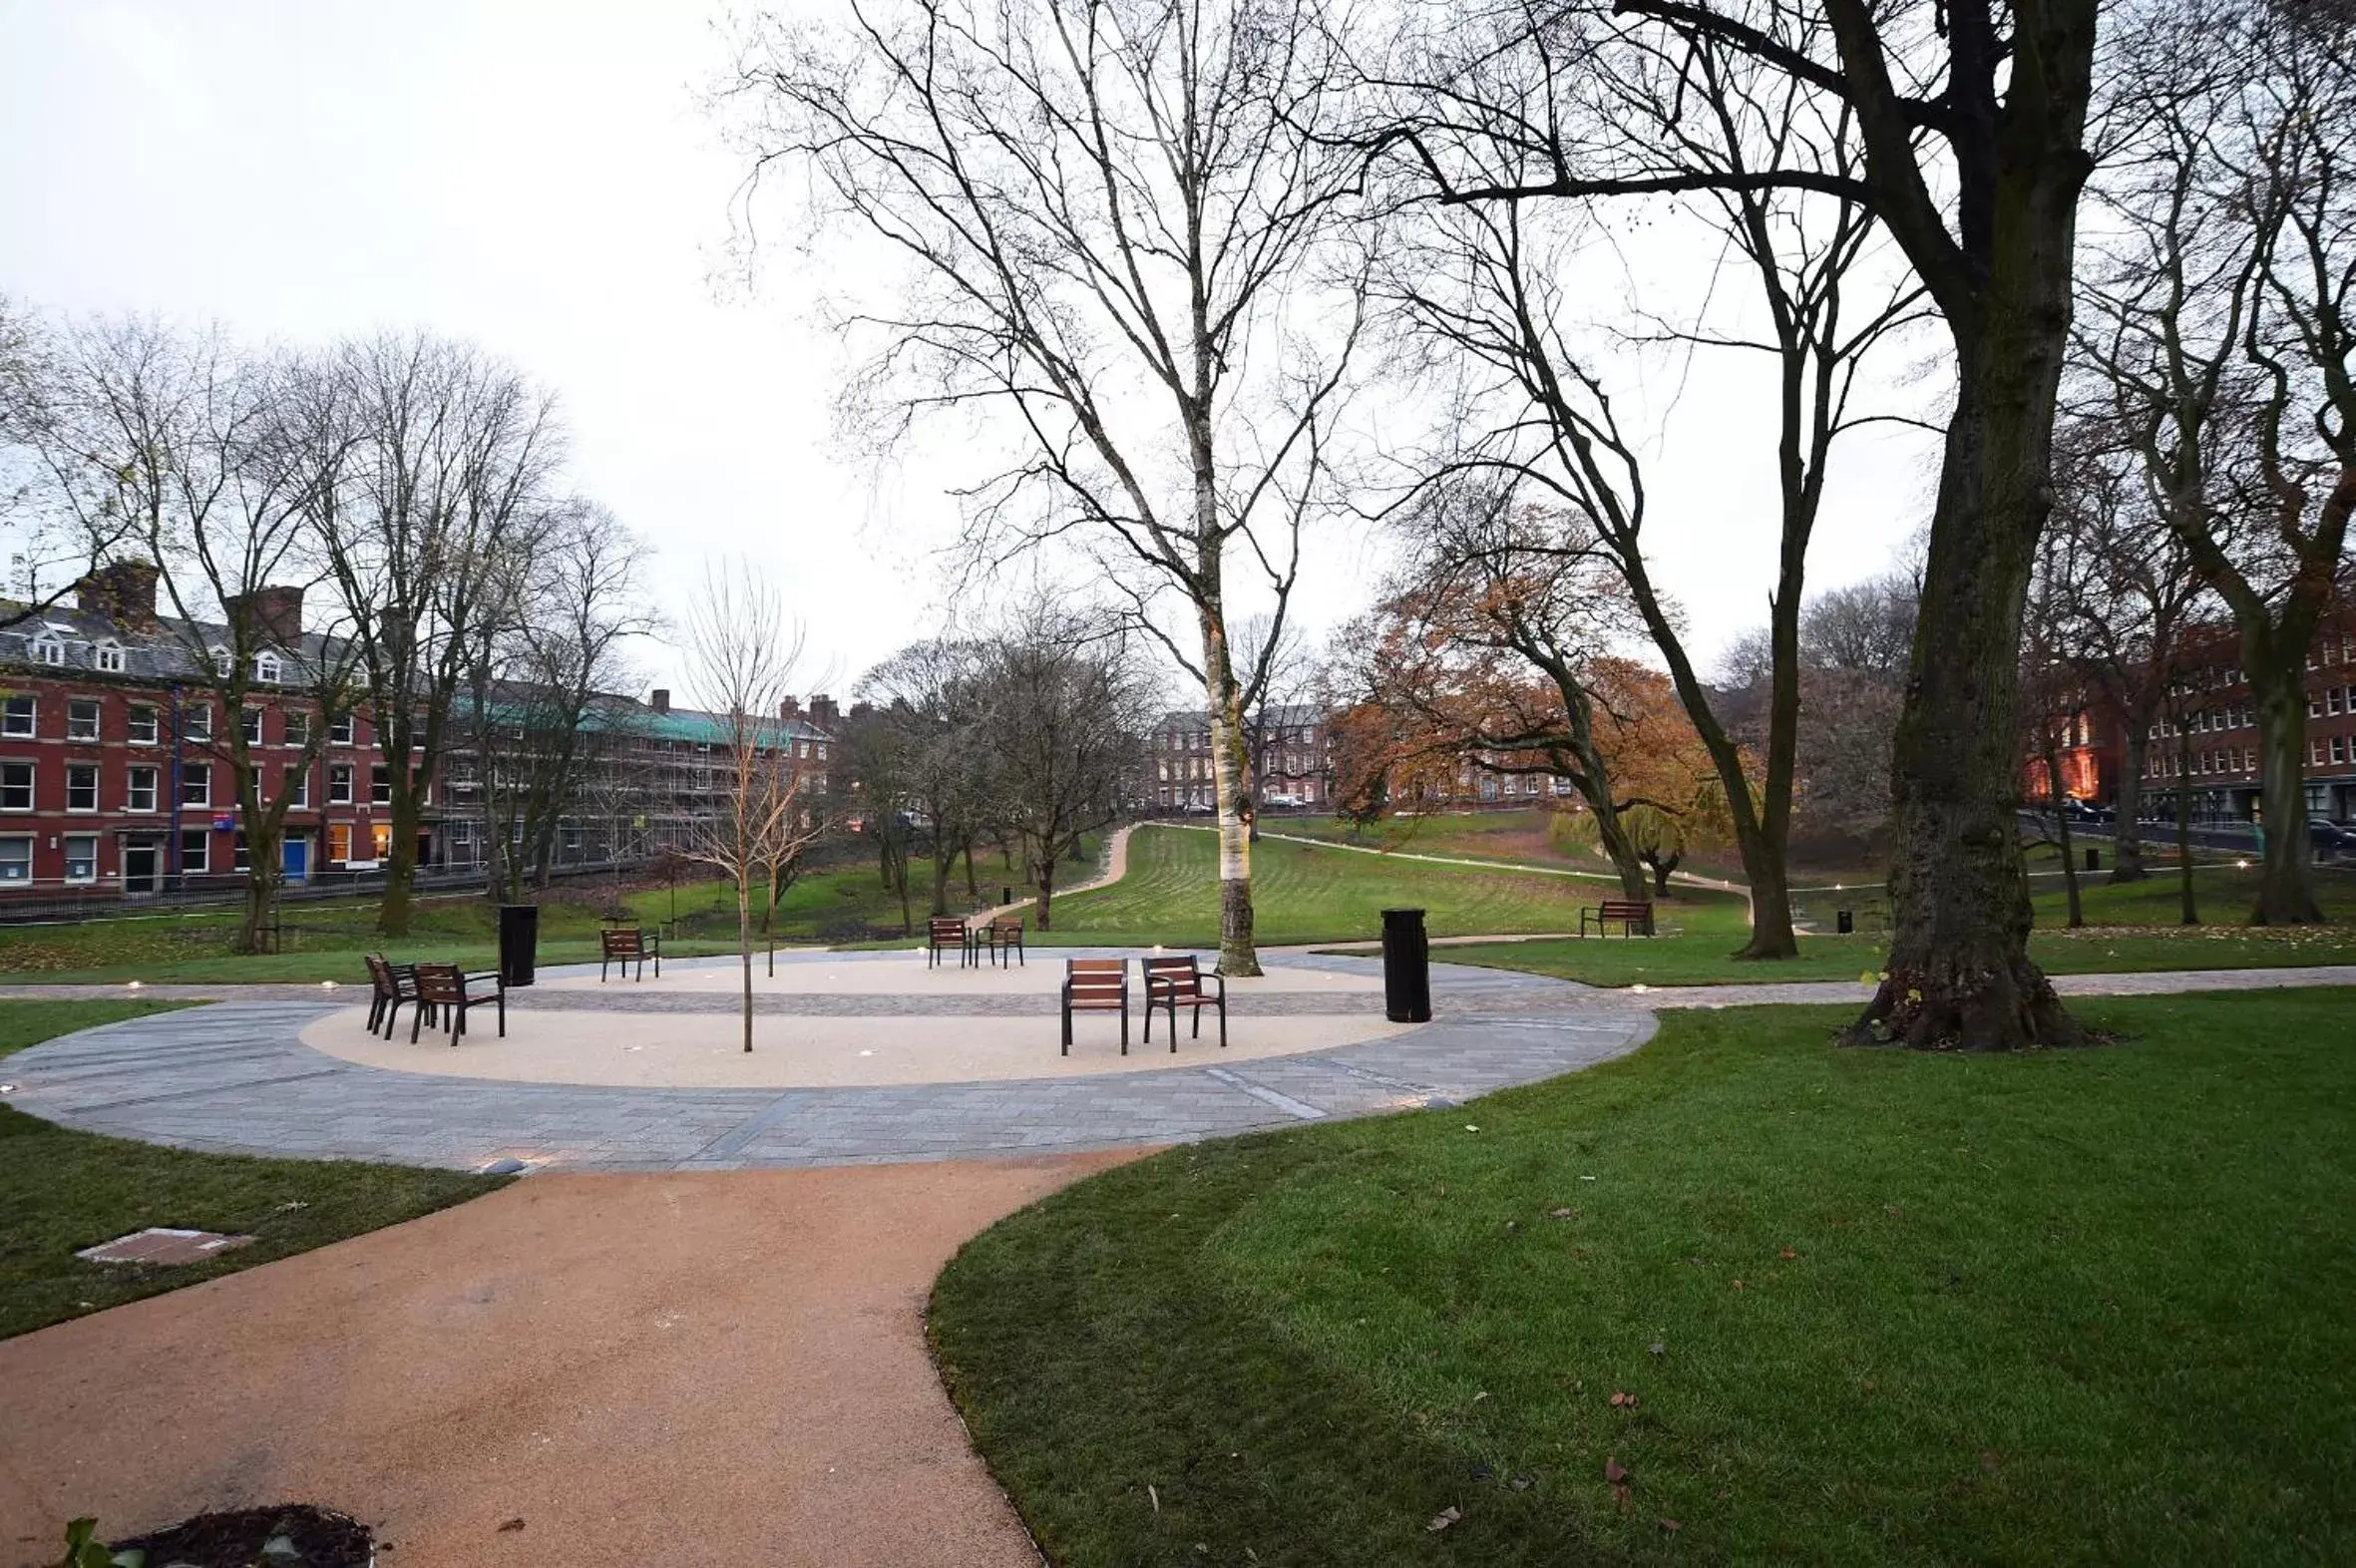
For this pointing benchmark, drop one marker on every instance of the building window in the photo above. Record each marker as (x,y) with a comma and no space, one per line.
(223,662)
(252,725)
(2331,700)
(340,842)
(380,839)
(195,783)
(240,857)
(341,732)
(108,657)
(140,796)
(82,857)
(339,784)
(195,851)
(143,725)
(16,786)
(16,859)
(2339,746)
(49,650)
(16,716)
(82,786)
(380,785)
(198,720)
(82,718)
(301,788)
(297,728)
(268,669)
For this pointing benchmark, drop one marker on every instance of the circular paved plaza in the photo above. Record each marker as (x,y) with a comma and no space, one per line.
(857,1057)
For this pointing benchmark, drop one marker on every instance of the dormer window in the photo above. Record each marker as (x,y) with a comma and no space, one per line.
(49,648)
(108,657)
(268,668)
(223,660)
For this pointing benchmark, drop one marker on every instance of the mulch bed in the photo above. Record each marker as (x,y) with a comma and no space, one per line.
(321,1537)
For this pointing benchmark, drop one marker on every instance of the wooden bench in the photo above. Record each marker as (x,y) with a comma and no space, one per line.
(1177,980)
(944,932)
(1096,985)
(1632,915)
(1005,936)
(445,986)
(627,945)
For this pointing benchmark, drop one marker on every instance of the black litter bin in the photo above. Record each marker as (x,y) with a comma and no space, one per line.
(2093,859)
(519,942)
(1845,922)
(1406,968)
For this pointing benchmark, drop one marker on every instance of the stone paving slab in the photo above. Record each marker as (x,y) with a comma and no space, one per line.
(235,1078)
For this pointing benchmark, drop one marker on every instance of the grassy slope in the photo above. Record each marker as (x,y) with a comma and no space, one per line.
(2080,1306)
(62,1190)
(2131,928)
(326,938)
(1302,893)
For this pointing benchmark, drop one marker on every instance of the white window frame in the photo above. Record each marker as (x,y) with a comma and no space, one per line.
(199,721)
(107,658)
(131,787)
(32,785)
(380,784)
(152,726)
(90,768)
(91,875)
(339,784)
(201,838)
(194,770)
(268,669)
(48,648)
(294,728)
(8,842)
(222,659)
(98,719)
(302,789)
(250,718)
(341,733)
(20,717)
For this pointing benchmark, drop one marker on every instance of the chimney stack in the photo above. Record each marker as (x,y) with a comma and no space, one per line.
(790,709)
(823,712)
(123,592)
(274,614)
(661,700)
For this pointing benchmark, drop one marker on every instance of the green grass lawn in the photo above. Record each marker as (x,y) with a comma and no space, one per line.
(325,938)
(1303,893)
(1870,1306)
(62,1190)
(2133,930)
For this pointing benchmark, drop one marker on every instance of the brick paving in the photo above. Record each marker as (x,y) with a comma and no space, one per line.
(235,1078)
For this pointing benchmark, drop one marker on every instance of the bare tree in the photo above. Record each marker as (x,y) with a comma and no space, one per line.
(1971,115)
(60,512)
(1490,286)
(741,653)
(450,455)
(934,698)
(1108,214)
(2219,318)
(568,608)
(208,456)
(1068,712)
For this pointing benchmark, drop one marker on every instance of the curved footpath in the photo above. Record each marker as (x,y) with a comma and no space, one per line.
(236,1077)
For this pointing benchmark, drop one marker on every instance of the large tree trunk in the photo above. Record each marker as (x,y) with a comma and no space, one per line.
(400,864)
(1046,886)
(263,871)
(2127,836)
(1231,778)
(1959,974)
(2277,680)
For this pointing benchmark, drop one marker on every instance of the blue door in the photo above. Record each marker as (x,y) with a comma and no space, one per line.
(299,859)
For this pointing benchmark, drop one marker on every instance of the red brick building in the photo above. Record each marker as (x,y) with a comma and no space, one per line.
(2216,745)
(114,776)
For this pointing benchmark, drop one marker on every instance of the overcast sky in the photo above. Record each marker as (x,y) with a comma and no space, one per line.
(540,178)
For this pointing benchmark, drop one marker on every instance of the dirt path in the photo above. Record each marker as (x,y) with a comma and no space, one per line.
(724,1368)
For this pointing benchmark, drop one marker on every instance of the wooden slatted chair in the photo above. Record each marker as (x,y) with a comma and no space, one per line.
(945,931)
(1096,985)
(1005,935)
(1176,980)
(446,987)
(626,945)
(392,985)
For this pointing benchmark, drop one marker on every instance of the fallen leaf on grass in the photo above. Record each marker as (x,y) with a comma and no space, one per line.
(1788,1253)
(1153,1497)
(1657,1348)
(512,1524)
(1445,1518)
(1560,1214)
(1620,1482)
(1623,1402)
(1740,1286)
(1671,1525)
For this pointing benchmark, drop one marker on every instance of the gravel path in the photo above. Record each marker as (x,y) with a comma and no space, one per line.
(598,1371)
